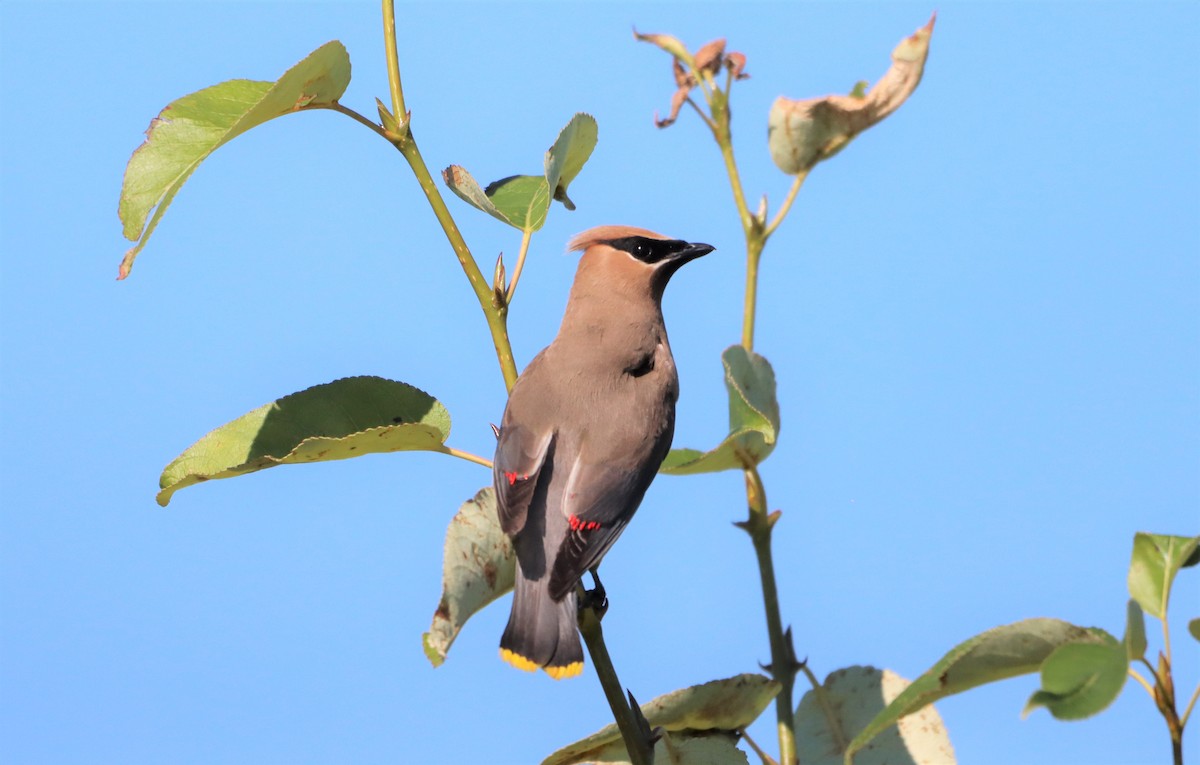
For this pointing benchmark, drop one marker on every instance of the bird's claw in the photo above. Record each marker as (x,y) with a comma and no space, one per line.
(595,598)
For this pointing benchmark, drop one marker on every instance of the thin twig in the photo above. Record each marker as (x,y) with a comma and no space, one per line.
(766,758)
(700,112)
(1188,711)
(835,725)
(1142,681)
(787,203)
(512,285)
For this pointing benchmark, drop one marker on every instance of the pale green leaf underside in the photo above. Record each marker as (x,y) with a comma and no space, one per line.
(999,653)
(674,748)
(1081,679)
(1156,560)
(856,695)
(191,128)
(478,566)
(568,155)
(337,420)
(522,201)
(1135,631)
(721,705)
(753,419)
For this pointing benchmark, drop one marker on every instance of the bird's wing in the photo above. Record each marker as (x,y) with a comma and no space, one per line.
(520,455)
(598,501)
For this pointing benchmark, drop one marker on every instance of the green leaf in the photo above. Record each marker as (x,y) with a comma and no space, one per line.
(1194,628)
(1081,679)
(854,696)
(721,706)
(1156,560)
(676,748)
(193,127)
(521,201)
(753,419)
(568,155)
(997,654)
(337,420)
(802,133)
(478,566)
(1135,632)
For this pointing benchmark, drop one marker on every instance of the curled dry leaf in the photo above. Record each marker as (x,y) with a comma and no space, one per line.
(678,99)
(687,69)
(682,78)
(737,63)
(668,43)
(803,133)
(710,57)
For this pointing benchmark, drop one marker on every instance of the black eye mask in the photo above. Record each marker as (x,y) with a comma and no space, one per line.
(649,250)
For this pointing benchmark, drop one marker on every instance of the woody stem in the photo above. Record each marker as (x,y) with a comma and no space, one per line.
(760,522)
(783,665)
(640,750)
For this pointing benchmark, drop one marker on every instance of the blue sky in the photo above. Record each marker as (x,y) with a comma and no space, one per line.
(984,317)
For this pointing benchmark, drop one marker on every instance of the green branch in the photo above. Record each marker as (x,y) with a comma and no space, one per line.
(392,51)
(783,665)
(641,751)
(760,522)
(407,146)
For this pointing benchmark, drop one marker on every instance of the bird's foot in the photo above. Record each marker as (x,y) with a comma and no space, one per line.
(595,598)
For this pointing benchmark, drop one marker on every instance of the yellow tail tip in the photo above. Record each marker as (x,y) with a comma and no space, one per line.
(527,665)
(570,670)
(518,661)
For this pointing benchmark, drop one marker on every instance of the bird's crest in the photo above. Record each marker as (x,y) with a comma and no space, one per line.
(599,234)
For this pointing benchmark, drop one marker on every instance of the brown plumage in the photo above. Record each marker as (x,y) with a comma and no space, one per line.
(587,425)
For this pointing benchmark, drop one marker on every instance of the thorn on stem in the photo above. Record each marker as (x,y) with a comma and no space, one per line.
(650,737)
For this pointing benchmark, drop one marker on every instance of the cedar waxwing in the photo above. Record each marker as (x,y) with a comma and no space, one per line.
(587,425)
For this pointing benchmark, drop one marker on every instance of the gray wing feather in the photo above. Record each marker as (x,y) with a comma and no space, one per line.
(520,454)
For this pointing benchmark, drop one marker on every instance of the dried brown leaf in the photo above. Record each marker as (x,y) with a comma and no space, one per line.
(737,63)
(677,102)
(710,57)
(683,78)
(668,43)
(803,133)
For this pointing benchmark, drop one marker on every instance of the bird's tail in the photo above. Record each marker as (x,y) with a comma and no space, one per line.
(541,632)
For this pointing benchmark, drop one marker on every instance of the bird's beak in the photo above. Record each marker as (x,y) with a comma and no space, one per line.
(693,251)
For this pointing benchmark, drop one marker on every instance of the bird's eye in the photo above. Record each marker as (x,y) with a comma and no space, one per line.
(643,252)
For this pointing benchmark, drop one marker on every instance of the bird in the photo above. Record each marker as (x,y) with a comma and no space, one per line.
(586,427)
